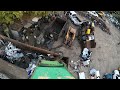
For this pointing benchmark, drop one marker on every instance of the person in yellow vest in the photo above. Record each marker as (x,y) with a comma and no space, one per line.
(88,31)
(91,27)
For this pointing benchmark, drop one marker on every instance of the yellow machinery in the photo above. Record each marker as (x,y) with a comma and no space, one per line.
(69,38)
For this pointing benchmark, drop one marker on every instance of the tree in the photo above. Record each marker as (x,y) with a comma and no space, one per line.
(8,17)
(39,13)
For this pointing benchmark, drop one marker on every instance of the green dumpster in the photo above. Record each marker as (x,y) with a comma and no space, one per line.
(51,70)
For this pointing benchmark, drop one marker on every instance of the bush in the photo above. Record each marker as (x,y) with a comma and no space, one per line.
(8,17)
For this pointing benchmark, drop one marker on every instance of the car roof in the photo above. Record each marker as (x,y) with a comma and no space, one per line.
(73,12)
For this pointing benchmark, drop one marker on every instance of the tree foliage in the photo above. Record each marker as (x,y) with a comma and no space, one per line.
(8,17)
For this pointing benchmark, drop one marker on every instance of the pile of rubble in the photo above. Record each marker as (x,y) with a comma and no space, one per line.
(27,56)
(23,58)
(97,20)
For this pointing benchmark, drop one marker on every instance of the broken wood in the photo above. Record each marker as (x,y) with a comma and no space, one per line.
(28,47)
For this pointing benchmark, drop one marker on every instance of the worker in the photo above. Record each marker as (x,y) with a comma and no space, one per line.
(70,36)
(91,26)
(88,31)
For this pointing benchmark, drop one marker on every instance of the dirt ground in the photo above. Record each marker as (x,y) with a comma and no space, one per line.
(105,56)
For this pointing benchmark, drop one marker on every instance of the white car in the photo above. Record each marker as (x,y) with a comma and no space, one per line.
(116,74)
(92,13)
(73,16)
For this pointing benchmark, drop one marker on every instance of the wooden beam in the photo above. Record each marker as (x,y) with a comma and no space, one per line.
(28,47)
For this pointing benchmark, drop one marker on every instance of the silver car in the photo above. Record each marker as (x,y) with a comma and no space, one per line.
(73,16)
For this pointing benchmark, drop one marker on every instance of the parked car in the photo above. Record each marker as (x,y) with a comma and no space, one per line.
(73,17)
(92,13)
(116,74)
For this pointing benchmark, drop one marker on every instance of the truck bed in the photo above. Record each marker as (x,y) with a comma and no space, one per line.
(56,27)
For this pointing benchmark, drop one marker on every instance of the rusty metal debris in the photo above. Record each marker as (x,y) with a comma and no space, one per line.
(28,47)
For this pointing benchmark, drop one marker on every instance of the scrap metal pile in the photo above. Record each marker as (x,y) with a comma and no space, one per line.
(93,16)
(23,58)
(113,20)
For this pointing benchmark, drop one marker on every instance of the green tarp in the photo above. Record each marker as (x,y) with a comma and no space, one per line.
(51,63)
(51,73)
